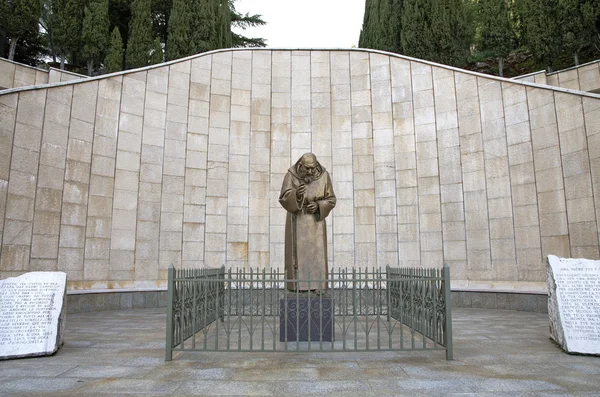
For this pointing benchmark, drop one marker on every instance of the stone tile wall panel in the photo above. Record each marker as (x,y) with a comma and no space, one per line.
(113,180)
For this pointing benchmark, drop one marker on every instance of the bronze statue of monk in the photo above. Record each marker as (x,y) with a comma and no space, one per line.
(307,195)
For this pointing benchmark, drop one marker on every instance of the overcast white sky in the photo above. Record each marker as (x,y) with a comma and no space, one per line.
(306,23)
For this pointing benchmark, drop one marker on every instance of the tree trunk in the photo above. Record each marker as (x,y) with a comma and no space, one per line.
(90,67)
(62,62)
(13,47)
(501,66)
(52,50)
(576,58)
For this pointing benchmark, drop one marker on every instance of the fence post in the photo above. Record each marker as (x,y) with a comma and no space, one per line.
(169,337)
(448,299)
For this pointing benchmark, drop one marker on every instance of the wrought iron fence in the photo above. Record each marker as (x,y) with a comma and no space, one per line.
(361,310)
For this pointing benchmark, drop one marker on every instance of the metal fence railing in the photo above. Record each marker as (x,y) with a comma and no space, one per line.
(247,310)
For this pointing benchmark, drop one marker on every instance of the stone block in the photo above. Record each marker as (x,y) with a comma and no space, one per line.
(17,232)
(19,208)
(98,227)
(581,210)
(100,206)
(44,246)
(73,214)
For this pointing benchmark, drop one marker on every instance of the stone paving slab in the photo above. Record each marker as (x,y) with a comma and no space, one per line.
(121,353)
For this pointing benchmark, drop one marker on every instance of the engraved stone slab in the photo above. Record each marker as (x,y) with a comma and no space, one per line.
(32,314)
(308,319)
(574,303)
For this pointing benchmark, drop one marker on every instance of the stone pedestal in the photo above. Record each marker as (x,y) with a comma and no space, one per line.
(299,314)
(574,303)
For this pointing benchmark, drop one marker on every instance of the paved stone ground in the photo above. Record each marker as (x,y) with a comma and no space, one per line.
(497,353)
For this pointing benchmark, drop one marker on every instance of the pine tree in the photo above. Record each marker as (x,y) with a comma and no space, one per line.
(139,44)
(94,34)
(496,30)
(178,34)
(244,21)
(157,52)
(17,18)
(114,58)
(416,36)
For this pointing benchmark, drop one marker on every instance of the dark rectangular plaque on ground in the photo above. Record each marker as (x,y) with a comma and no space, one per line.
(304,313)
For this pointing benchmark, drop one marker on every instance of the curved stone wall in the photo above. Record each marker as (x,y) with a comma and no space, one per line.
(113,179)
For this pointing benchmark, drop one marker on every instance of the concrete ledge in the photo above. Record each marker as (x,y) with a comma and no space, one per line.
(537,303)
(99,302)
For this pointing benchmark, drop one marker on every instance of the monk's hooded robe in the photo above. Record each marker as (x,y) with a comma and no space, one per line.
(305,233)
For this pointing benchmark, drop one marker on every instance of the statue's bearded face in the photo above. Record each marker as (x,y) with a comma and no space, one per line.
(308,169)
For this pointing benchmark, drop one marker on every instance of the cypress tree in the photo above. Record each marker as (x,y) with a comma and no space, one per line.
(577,20)
(382,25)
(139,44)
(223,37)
(178,33)
(496,30)
(114,57)
(541,31)
(369,37)
(416,36)
(157,52)
(67,20)
(203,25)
(94,33)
(395,21)
(591,20)
(385,31)
(450,32)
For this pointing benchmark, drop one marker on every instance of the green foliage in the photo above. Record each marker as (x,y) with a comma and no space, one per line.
(178,39)
(416,36)
(496,33)
(67,20)
(139,44)
(119,14)
(541,31)
(157,52)
(17,19)
(244,21)
(577,20)
(223,37)
(450,32)
(114,57)
(94,34)
(203,25)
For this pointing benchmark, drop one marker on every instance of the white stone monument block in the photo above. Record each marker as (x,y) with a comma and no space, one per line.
(574,303)
(32,314)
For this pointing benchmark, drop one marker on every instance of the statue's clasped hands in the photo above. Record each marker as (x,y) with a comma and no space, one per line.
(312,207)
